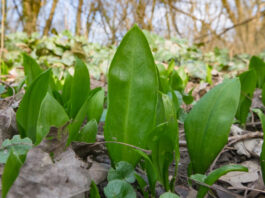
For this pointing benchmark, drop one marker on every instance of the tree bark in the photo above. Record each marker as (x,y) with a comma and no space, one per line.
(49,20)
(31,10)
(78,18)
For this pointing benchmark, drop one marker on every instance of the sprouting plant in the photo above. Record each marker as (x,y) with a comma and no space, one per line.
(120,180)
(207,126)
(213,176)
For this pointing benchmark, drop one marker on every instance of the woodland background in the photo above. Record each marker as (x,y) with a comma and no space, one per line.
(235,24)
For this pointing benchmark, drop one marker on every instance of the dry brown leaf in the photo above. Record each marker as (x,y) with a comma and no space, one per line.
(236,179)
(68,176)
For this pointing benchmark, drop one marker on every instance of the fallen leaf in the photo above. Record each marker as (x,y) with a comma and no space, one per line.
(67,176)
(236,179)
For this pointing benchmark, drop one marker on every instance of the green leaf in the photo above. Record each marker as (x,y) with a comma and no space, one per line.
(11,171)
(80,87)
(75,126)
(188,98)
(209,74)
(119,189)
(94,191)
(51,114)
(142,184)
(28,111)
(66,92)
(176,82)
(18,145)
(31,68)
(207,126)
(169,195)
(132,97)
(96,105)
(215,175)
(89,132)
(263,94)
(262,155)
(123,171)
(162,146)
(171,66)
(248,82)
(198,177)
(258,65)
(150,170)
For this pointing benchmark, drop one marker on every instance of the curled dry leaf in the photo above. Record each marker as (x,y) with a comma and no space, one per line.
(7,123)
(248,147)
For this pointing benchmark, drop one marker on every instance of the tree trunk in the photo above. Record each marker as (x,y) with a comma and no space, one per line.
(78,18)
(31,10)
(49,20)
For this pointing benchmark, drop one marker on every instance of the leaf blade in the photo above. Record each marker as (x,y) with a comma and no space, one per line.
(210,119)
(132,96)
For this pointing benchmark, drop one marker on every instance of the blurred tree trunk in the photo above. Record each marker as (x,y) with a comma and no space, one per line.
(31,10)
(78,18)
(90,18)
(49,20)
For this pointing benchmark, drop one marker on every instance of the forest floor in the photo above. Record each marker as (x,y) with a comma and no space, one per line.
(51,170)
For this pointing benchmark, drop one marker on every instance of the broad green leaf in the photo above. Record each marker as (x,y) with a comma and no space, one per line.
(183,75)
(18,145)
(94,191)
(198,177)
(160,111)
(28,111)
(96,105)
(51,114)
(123,171)
(119,189)
(263,94)
(188,98)
(163,146)
(164,84)
(169,195)
(89,132)
(248,82)
(258,65)
(66,92)
(262,155)
(207,126)
(173,135)
(75,126)
(132,97)
(176,82)
(11,171)
(171,66)
(175,101)
(80,87)
(215,175)
(31,68)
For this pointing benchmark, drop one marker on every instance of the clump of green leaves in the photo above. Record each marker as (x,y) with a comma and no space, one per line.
(120,180)
(13,154)
(47,104)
